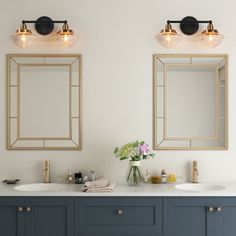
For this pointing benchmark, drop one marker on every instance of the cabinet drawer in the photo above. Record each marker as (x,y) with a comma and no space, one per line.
(119,216)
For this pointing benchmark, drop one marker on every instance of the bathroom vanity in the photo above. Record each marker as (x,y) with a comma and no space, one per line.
(146,210)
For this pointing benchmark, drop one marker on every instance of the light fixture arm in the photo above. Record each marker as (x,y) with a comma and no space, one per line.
(41,21)
(189,25)
(199,21)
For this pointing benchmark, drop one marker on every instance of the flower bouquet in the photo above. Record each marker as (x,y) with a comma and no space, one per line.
(134,152)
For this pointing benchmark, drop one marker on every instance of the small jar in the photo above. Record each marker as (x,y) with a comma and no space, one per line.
(70,177)
(92,175)
(147,177)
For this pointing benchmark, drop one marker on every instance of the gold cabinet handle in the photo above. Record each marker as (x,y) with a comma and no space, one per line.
(218,209)
(20,209)
(28,209)
(120,212)
(211,209)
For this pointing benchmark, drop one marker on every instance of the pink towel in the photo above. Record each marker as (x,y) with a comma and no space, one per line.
(99,186)
(97,183)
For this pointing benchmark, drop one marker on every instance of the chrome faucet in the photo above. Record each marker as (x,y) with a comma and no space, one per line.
(46,172)
(195,172)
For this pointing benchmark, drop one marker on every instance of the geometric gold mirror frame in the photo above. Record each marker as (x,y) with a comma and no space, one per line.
(44,102)
(190,102)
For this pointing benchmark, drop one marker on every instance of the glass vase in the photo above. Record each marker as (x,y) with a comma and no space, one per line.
(134,176)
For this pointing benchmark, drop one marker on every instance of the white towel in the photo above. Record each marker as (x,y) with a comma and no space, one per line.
(95,187)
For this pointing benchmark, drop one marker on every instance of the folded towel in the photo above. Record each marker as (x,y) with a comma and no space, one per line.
(97,183)
(96,188)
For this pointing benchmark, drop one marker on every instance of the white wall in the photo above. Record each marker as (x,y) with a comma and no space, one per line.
(117,43)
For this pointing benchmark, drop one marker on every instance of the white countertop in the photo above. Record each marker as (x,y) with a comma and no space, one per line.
(123,190)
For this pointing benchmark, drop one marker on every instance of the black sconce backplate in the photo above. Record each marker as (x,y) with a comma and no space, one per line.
(189,25)
(44,25)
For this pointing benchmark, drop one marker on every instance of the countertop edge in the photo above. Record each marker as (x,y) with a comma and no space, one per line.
(123,190)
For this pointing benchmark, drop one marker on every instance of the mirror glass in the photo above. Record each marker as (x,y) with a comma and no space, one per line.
(190,102)
(44,102)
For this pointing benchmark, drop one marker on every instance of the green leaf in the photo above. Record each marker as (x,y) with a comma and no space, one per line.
(136,144)
(116,150)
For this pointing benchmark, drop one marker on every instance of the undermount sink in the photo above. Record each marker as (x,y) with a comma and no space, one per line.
(199,187)
(41,187)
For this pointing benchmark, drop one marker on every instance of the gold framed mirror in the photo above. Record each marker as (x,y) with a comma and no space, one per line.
(190,102)
(44,102)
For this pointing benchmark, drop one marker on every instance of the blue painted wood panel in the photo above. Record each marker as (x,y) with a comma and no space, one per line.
(189,217)
(100,217)
(47,217)
(50,216)
(12,222)
(225,220)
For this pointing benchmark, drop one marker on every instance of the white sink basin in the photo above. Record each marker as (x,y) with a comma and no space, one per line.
(41,187)
(199,187)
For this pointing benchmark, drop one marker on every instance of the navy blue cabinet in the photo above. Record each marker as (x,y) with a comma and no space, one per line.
(190,216)
(225,216)
(210,216)
(118,216)
(12,222)
(36,216)
(50,216)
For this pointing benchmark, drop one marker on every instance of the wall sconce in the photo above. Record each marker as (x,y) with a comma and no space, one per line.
(189,25)
(44,26)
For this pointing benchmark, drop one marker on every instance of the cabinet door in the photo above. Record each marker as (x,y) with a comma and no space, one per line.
(50,216)
(114,216)
(189,216)
(12,222)
(225,216)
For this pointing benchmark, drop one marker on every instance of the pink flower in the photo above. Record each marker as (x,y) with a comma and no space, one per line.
(143,149)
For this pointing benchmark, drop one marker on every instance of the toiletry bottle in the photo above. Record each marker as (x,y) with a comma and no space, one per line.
(78,178)
(163,177)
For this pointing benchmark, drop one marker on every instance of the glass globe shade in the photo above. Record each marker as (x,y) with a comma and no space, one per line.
(22,40)
(23,36)
(168,39)
(210,40)
(67,39)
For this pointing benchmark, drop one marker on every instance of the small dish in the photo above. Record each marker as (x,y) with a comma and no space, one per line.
(10,181)
(156,179)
